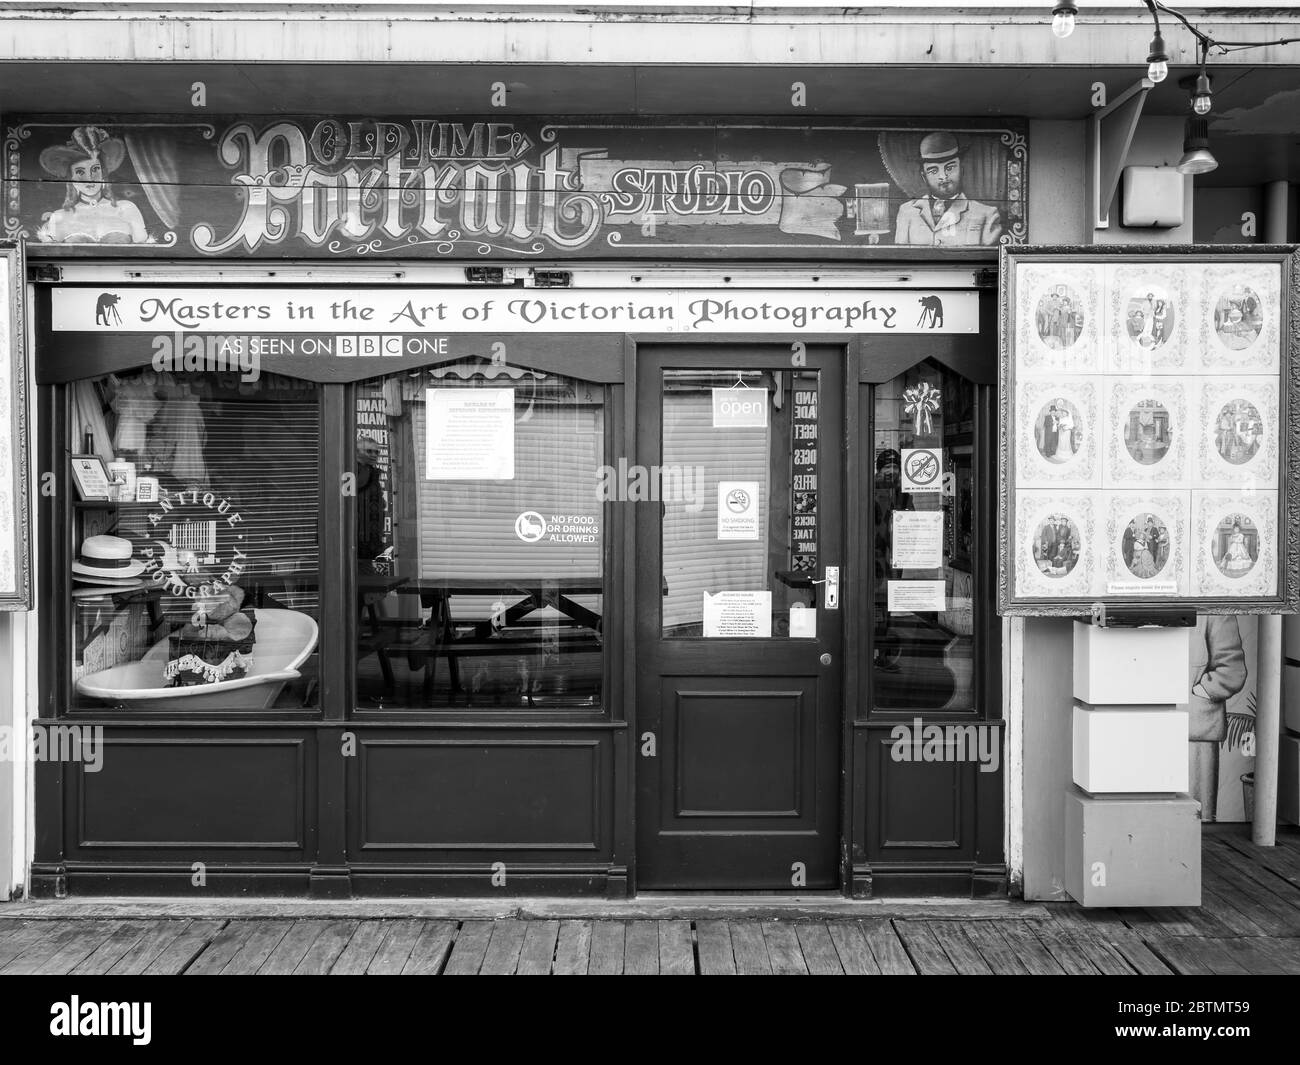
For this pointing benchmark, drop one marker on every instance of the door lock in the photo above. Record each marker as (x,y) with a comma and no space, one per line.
(831,599)
(826,659)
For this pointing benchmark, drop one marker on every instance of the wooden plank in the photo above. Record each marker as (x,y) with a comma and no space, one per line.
(399,939)
(1065,951)
(223,946)
(23,935)
(607,944)
(1284,953)
(887,950)
(468,950)
(1281,861)
(181,950)
(1029,948)
(573,948)
(1237,865)
(361,947)
(993,948)
(852,948)
(325,950)
(431,950)
(1198,957)
(1253,956)
(1139,955)
(641,949)
(924,949)
(538,952)
(110,952)
(1227,912)
(289,952)
(1252,902)
(819,948)
(1101,952)
(1269,892)
(261,941)
(153,941)
(676,949)
(502,955)
(750,948)
(713,941)
(963,955)
(55,955)
(783,949)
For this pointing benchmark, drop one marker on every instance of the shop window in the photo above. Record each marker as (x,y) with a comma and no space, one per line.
(479,539)
(922,503)
(195,587)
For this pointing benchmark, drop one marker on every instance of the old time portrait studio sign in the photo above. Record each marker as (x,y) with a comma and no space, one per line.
(1151,413)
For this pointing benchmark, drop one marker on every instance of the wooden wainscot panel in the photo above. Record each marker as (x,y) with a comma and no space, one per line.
(192,792)
(462,794)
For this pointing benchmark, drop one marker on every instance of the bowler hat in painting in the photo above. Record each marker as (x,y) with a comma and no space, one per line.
(938,147)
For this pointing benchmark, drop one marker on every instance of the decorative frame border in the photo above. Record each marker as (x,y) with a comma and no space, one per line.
(15,495)
(1286,553)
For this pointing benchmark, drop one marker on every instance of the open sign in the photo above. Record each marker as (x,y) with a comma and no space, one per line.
(739,408)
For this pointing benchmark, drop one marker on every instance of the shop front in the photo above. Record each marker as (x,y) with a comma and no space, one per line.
(661,562)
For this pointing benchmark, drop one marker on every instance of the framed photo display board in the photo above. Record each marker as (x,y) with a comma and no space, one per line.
(1150,453)
(15,512)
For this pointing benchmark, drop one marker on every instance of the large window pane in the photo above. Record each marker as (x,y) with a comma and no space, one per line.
(479,539)
(195,588)
(924,535)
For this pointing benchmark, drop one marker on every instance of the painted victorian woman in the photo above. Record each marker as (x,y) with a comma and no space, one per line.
(90,214)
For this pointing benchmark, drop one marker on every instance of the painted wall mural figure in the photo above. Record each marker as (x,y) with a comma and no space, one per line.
(91,213)
(945,217)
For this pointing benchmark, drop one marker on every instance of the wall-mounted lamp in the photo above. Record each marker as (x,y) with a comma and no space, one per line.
(1063,18)
(1197,157)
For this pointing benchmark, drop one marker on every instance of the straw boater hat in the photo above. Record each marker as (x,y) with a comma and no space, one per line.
(105,560)
(87,142)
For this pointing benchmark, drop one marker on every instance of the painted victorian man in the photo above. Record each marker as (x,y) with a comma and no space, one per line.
(945,217)
(1218,663)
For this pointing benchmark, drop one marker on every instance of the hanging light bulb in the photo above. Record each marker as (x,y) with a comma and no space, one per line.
(1202,97)
(1157,60)
(1063,18)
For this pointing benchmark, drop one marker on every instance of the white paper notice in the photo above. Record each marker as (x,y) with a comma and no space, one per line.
(803,621)
(917,539)
(737,614)
(738,510)
(469,434)
(916,597)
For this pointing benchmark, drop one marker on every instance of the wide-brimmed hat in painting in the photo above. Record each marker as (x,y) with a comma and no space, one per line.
(86,142)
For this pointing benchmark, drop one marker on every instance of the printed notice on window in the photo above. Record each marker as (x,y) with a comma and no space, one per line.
(917,541)
(469,434)
(738,614)
(738,510)
(916,597)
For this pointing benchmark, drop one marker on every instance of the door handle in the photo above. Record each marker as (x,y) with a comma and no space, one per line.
(831,596)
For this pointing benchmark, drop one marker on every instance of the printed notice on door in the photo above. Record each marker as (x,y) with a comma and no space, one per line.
(469,434)
(916,597)
(917,541)
(738,511)
(738,614)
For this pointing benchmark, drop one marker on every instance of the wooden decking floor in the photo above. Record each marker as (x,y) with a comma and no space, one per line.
(1249,922)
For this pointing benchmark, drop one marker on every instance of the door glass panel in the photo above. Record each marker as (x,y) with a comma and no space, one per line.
(738,488)
(479,539)
(923,516)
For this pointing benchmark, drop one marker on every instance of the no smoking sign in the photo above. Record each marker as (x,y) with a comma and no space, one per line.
(922,469)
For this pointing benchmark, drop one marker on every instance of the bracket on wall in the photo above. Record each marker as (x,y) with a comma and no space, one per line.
(1110,133)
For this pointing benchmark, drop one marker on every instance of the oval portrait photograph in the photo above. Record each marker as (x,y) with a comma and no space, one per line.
(1238,317)
(1235,545)
(1056,545)
(1147,431)
(1238,431)
(1059,317)
(1058,430)
(1149,317)
(1145,545)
